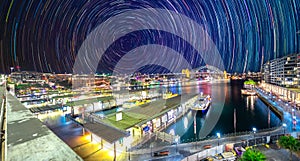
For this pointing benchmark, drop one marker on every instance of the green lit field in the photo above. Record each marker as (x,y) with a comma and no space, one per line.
(141,114)
(128,120)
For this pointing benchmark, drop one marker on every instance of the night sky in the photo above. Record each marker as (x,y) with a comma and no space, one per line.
(46,35)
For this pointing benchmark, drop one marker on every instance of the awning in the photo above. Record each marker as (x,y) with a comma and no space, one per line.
(108,133)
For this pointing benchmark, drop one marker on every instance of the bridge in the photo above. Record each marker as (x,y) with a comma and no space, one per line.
(207,71)
(209,68)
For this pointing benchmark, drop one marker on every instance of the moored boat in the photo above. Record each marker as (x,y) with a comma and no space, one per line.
(202,103)
(248,92)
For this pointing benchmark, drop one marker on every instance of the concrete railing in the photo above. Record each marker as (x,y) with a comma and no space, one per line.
(2,114)
(2,126)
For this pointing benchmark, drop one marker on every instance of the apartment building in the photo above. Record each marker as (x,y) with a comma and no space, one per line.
(283,71)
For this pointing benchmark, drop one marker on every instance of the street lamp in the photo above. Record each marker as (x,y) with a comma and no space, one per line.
(151,146)
(294,122)
(219,135)
(254,131)
(128,152)
(11,69)
(284,126)
(177,140)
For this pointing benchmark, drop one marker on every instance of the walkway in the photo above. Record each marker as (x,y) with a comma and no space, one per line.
(183,150)
(286,110)
(72,134)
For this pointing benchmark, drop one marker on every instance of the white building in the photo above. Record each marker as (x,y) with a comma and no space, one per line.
(283,71)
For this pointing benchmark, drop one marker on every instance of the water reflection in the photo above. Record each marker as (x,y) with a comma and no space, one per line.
(185,123)
(238,113)
(250,100)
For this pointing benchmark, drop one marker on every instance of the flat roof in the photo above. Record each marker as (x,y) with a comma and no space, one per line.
(89,100)
(72,103)
(28,139)
(143,113)
(108,133)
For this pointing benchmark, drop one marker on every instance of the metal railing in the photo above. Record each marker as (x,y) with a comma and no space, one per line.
(231,137)
(260,132)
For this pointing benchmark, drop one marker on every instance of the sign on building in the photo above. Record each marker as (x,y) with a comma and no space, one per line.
(119,116)
(164,118)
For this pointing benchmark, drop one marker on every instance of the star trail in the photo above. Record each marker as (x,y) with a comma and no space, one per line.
(46,36)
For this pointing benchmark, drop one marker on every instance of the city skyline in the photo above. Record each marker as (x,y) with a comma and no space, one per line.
(150,80)
(47,36)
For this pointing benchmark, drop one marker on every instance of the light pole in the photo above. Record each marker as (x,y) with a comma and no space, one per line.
(294,122)
(177,140)
(151,146)
(11,69)
(254,131)
(218,135)
(129,153)
(284,126)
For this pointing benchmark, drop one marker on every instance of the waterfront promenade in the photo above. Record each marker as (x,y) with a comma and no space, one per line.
(286,115)
(88,150)
(191,151)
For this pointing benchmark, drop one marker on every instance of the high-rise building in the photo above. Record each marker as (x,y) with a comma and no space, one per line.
(283,71)
(266,72)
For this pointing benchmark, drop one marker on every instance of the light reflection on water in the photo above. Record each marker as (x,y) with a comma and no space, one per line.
(250,112)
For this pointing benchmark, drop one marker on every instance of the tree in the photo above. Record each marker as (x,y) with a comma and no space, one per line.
(253,155)
(290,143)
(250,82)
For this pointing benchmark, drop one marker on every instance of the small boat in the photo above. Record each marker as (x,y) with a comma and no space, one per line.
(202,103)
(248,92)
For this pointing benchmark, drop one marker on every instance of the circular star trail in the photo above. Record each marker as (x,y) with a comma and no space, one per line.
(46,36)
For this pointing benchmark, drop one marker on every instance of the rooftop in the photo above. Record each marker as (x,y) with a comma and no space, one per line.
(29,139)
(109,134)
(143,113)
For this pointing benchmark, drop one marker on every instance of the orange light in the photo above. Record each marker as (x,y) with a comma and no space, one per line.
(86,137)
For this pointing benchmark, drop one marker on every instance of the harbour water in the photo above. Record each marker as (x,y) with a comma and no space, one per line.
(230,112)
